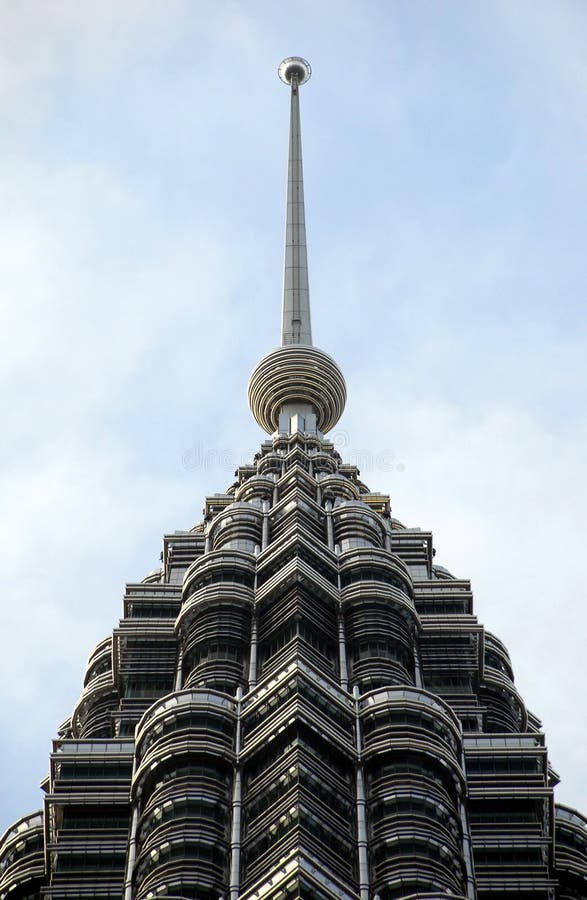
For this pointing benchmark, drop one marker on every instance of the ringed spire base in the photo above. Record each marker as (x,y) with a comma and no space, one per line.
(296,387)
(297,384)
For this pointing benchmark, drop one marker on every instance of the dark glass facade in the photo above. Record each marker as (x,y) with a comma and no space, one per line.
(300,703)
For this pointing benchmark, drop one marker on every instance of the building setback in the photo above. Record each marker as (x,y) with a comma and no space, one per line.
(300,703)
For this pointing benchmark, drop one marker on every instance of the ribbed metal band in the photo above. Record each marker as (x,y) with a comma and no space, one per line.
(297,374)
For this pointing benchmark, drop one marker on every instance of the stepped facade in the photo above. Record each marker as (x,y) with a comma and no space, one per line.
(301,703)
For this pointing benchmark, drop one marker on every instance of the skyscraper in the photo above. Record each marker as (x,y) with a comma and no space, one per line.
(300,703)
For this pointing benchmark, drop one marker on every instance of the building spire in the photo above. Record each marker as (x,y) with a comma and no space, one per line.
(296,388)
(296,324)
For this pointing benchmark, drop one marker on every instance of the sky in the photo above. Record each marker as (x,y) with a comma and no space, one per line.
(142,167)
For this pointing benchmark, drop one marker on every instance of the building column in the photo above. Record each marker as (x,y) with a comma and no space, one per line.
(361,807)
(235,835)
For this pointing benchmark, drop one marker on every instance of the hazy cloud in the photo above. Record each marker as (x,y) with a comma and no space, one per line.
(142,175)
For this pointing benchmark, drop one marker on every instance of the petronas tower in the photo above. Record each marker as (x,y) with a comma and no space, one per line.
(301,703)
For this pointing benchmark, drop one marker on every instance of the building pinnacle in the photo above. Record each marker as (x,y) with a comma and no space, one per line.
(296,324)
(296,388)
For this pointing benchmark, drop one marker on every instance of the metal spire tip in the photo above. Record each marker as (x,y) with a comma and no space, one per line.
(294,67)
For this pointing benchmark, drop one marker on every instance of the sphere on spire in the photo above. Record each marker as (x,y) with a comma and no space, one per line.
(297,375)
(297,386)
(294,66)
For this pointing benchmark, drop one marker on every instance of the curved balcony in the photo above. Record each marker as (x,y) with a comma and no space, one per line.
(371,564)
(154,577)
(396,525)
(396,718)
(271,464)
(217,567)
(391,734)
(506,711)
(215,626)
(186,723)
(363,591)
(355,525)
(495,644)
(238,527)
(336,487)
(191,801)
(207,819)
(255,488)
(497,656)
(207,598)
(186,863)
(571,852)
(381,631)
(181,700)
(198,830)
(419,778)
(312,443)
(185,751)
(323,464)
(427,810)
(412,750)
(92,714)
(380,626)
(183,776)
(219,668)
(99,660)
(441,573)
(22,859)
(422,865)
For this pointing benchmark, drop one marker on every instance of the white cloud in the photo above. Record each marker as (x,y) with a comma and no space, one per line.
(139,270)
